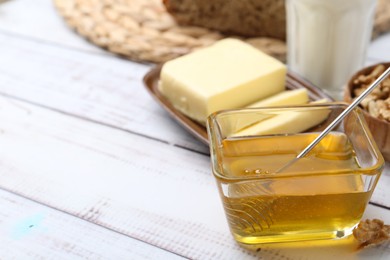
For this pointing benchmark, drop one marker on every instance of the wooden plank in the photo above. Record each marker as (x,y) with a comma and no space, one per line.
(30,230)
(39,21)
(121,181)
(379,48)
(103,89)
(139,187)
(381,193)
(36,18)
(92,89)
(56,77)
(143,188)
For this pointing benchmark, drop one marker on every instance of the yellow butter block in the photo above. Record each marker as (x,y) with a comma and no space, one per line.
(285,98)
(229,74)
(290,122)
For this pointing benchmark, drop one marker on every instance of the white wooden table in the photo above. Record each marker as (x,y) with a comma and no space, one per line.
(92,167)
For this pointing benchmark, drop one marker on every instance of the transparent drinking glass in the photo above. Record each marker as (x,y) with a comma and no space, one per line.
(328,40)
(321,196)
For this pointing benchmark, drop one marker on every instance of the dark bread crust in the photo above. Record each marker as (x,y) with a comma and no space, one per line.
(250,18)
(240,17)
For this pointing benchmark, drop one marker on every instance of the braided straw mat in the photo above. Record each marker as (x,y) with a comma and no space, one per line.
(142,30)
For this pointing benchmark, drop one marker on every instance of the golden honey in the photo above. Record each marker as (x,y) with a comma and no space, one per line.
(323,195)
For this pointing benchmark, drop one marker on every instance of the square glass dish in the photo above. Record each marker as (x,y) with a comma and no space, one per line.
(320,196)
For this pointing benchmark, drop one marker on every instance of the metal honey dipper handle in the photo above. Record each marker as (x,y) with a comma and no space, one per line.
(337,120)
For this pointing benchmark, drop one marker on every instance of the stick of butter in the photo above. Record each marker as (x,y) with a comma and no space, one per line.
(226,75)
(290,122)
(285,98)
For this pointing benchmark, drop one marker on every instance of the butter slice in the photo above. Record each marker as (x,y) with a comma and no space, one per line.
(229,74)
(290,122)
(285,98)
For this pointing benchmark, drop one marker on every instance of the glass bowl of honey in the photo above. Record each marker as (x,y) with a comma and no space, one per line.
(320,196)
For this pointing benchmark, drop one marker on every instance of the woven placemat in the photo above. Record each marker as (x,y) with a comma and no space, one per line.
(142,30)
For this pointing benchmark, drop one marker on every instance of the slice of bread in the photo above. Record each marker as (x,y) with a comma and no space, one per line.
(239,17)
(250,18)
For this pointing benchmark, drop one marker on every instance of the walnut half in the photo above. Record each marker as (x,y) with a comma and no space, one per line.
(371,232)
(377,103)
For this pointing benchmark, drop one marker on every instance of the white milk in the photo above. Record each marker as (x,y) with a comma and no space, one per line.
(328,39)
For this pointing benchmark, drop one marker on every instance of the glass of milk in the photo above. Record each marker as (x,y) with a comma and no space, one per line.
(328,39)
